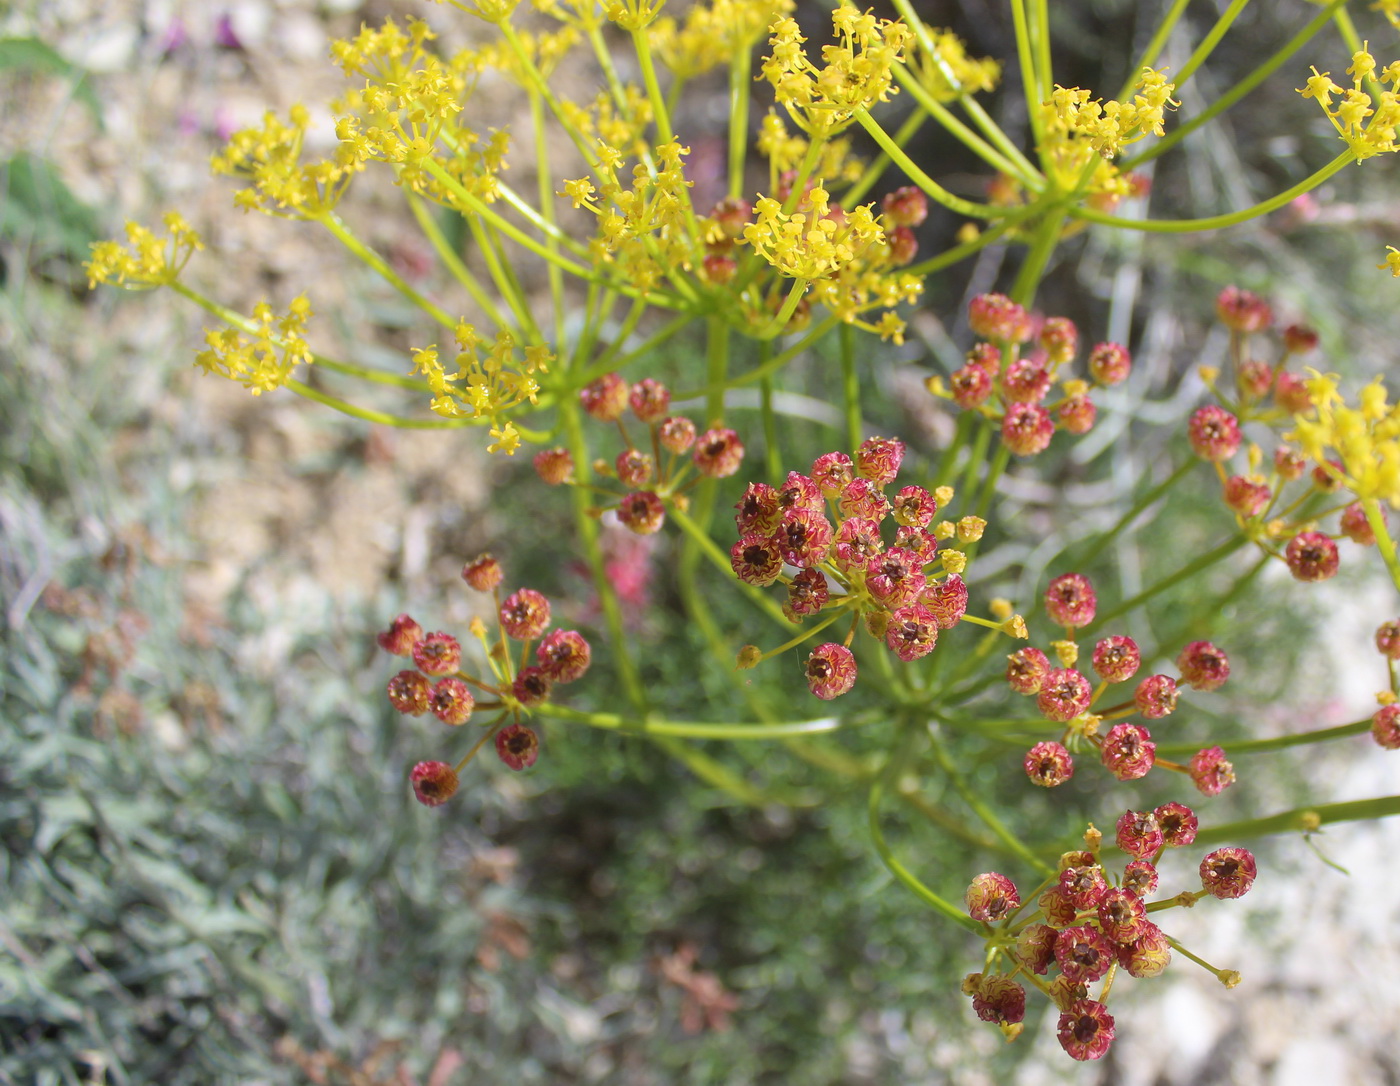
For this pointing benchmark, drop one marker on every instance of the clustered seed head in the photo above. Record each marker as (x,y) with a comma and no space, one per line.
(1211,772)
(562,656)
(1013,388)
(822,535)
(1128,751)
(991,896)
(1026,669)
(1385,726)
(554,466)
(1243,311)
(483,573)
(1070,601)
(1214,433)
(1228,872)
(830,670)
(1048,764)
(1116,659)
(1312,556)
(1086,924)
(401,636)
(1203,666)
(1388,639)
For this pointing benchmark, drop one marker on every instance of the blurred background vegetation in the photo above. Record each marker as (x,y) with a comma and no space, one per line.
(212,869)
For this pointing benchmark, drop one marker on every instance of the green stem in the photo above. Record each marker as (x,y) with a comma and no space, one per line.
(543,175)
(1155,46)
(931,187)
(714,773)
(1217,222)
(717,369)
(880,164)
(764,369)
(1047,236)
(902,873)
(1210,41)
(1282,742)
(686,729)
(454,263)
(720,560)
(1302,819)
(1042,48)
(1385,542)
(332,222)
(1235,93)
(740,75)
(570,413)
(773,459)
(380,417)
(961,132)
(979,808)
(850,387)
(1187,571)
(1030,82)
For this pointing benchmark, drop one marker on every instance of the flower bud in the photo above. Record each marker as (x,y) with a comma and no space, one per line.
(554,466)
(1214,433)
(437,654)
(718,453)
(524,614)
(991,896)
(482,573)
(1110,363)
(606,398)
(451,701)
(1228,872)
(1048,764)
(1311,556)
(830,671)
(400,637)
(642,512)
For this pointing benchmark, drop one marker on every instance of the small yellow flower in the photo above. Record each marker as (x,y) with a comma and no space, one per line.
(1392,261)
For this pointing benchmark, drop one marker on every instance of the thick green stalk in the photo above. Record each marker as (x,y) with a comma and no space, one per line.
(1030,81)
(740,76)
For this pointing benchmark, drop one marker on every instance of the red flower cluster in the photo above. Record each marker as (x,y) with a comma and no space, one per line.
(1271,395)
(1065,695)
(1006,385)
(657,472)
(822,535)
(561,656)
(1085,926)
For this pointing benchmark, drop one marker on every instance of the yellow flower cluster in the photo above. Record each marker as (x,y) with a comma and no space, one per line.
(843,254)
(714,33)
(786,151)
(484,385)
(642,228)
(856,72)
(270,157)
(145,260)
(1365,438)
(266,360)
(1081,135)
(947,72)
(811,243)
(1390,9)
(1367,131)
(1392,261)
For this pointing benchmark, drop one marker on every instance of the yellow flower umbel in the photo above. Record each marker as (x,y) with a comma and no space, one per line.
(266,360)
(484,386)
(1367,131)
(856,72)
(145,260)
(1364,438)
(713,33)
(1078,128)
(270,157)
(947,72)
